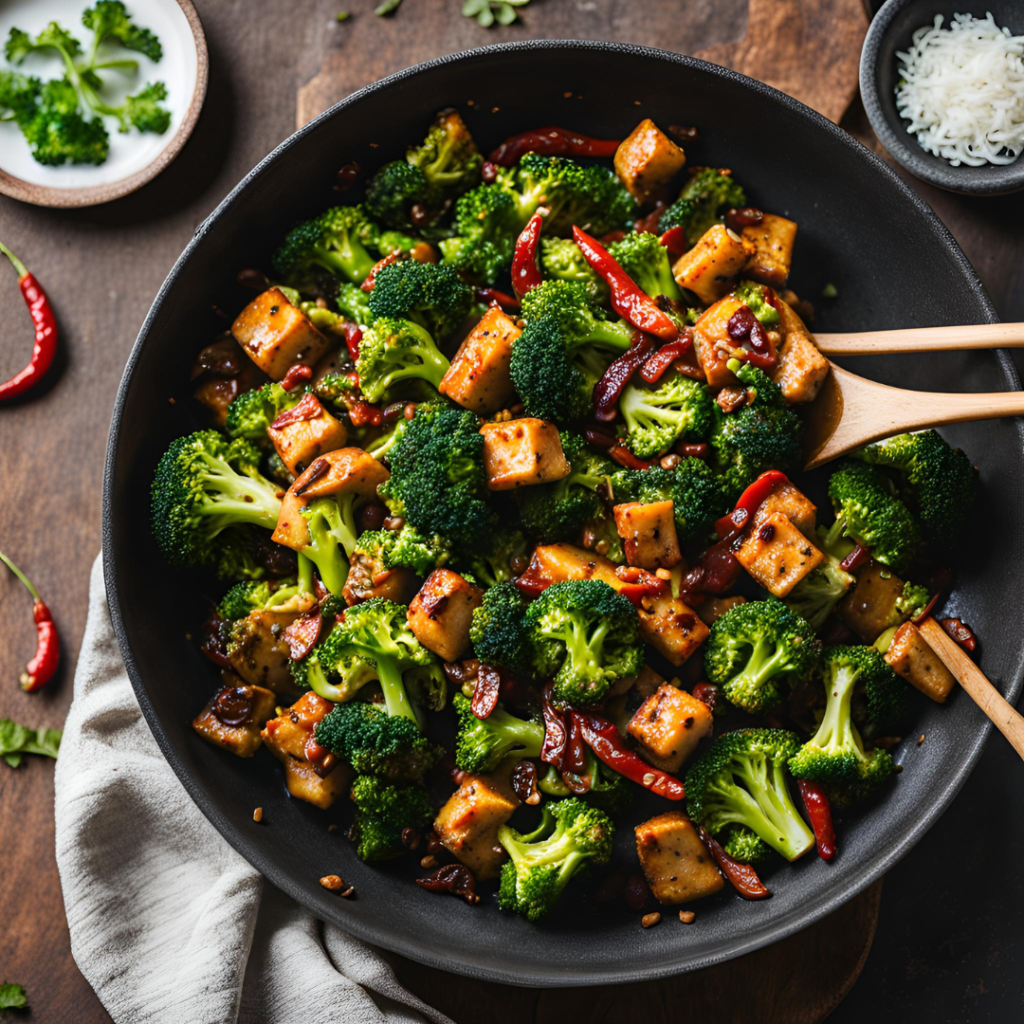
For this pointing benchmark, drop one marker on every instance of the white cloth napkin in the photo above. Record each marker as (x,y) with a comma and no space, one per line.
(168,924)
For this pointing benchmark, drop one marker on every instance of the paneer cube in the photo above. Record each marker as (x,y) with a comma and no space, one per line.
(368,579)
(305,782)
(276,335)
(521,453)
(801,369)
(870,608)
(257,651)
(669,725)
(233,718)
(479,377)
(794,505)
(773,242)
(911,656)
(677,865)
(288,734)
(671,626)
(648,533)
(712,343)
(300,439)
(440,613)
(777,555)
(467,825)
(557,563)
(647,161)
(709,268)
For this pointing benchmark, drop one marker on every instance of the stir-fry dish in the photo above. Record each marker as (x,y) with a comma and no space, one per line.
(500,486)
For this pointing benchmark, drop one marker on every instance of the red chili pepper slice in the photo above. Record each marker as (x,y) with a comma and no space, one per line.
(624,457)
(371,277)
(308,409)
(41,668)
(301,636)
(648,223)
(556,734)
(45,324)
(820,812)
(353,335)
(655,367)
(525,272)
(574,760)
(716,571)
(627,299)
(297,374)
(855,559)
(551,141)
(675,240)
(493,297)
(750,501)
(610,387)
(486,691)
(607,743)
(743,877)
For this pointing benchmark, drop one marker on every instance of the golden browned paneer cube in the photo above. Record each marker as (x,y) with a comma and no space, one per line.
(468,823)
(258,652)
(773,242)
(300,440)
(521,453)
(233,718)
(793,504)
(479,377)
(912,657)
(713,346)
(648,533)
(557,563)
(671,626)
(647,161)
(677,865)
(276,335)
(440,613)
(304,782)
(801,369)
(777,555)
(709,268)
(669,725)
(870,608)
(367,579)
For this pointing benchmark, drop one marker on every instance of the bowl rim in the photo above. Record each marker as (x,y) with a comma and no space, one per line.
(250,848)
(902,147)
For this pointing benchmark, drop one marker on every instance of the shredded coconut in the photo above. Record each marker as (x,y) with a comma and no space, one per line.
(962,90)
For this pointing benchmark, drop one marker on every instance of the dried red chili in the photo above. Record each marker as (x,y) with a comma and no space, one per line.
(362,414)
(632,304)
(525,272)
(820,812)
(486,691)
(624,457)
(656,365)
(675,240)
(494,297)
(297,374)
(855,559)
(648,223)
(551,141)
(308,409)
(604,738)
(556,733)
(524,783)
(755,495)
(454,878)
(707,693)
(614,380)
(743,877)
(574,760)
(960,632)
(371,277)
(41,668)
(302,634)
(46,331)
(752,339)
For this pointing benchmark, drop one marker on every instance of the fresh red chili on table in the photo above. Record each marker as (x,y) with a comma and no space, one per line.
(820,812)
(551,141)
(627,299)
(610,387)
(743,877)
(525,272)
(605,740)
(43,665)
(46,331)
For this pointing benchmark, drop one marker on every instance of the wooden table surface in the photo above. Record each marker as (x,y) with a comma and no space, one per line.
(104,265)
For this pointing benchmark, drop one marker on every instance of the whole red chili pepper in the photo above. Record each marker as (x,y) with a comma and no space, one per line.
(627,299)
(46,331)
(675,240)
(551,141)
(655,367)
(604,738)
(820,812)
(43,665)
(743,877)
(525,272)
(608,389)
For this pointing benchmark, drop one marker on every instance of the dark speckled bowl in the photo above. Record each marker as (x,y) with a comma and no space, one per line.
(891,32)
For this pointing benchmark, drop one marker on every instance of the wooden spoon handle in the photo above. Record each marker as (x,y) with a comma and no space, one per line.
(1003,716)
(922,339)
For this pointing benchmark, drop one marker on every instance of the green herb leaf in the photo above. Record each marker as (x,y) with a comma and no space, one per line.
(16,740)
(343,16)
(12,997)
(387,7)
(489,12)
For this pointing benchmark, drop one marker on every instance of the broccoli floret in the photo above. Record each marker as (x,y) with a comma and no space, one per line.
(252,412)
(51,120)
(581,321)
(256,595)
(373,641)
(542,863)
(498,629)
(438,480)
(553,512)
(334,388)
(817,594)
(585,636)
(405,548)
(703,202)
(754,297)
(374,743)
(331,522)
(109,19)
(486,227)
(491,563)
(561,259)
(337,241)
(482,743)
(354,304)
(394,189)
(448,156)
(659,415)
(206,490)
(647,262)
(697,494)
(741,780)
(395,350)
(432,296)
(764,434)
(743,845)
(835,755)
(936,481)
(868,511)
(755,649)
(383,811)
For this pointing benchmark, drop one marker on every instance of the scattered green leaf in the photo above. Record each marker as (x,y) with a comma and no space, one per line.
(343,16)
(12,997)
(487,12)
(387,7)
(830,291)
(16,740)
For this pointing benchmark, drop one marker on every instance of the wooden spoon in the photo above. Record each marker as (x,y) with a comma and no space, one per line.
(1002,715)
(922,339)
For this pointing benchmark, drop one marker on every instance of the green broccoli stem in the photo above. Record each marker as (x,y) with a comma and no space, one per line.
(609,334)
(305,584)
(761,667)
(431,368)
(331,525)
(837,732)
(583,650)
(773,817)
(396,699)
(239,498)
(319,684)
(350,260)
(560,851)
(552,785)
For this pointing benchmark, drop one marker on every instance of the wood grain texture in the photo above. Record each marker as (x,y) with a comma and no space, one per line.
(922,339)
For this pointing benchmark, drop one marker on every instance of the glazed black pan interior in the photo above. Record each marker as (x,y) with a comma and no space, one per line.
(861,229)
